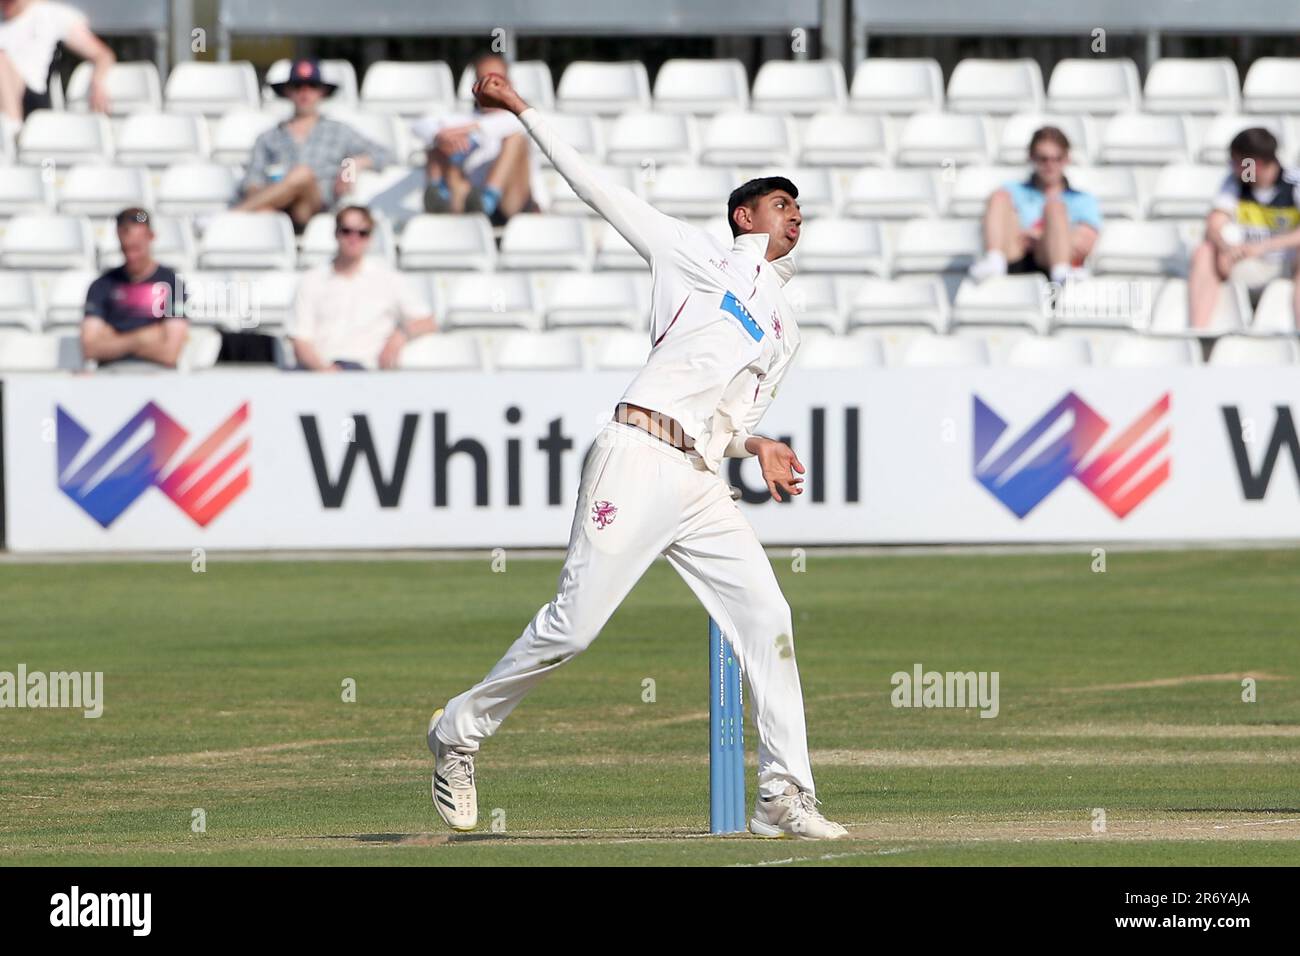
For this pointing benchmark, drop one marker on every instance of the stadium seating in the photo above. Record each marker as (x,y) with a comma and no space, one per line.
(21,302)
(534,241)
(191,189)
(594,299)
(408,89)
(730,139)
(897,86)
(995,86)
(641,138)
(801,88)
(443,353)
(846,139)
(211,88)
(482,300)
(532,78)
(62,139)
(248,240)
(25,189)
(604,89)
(535,351)
(65,304)
(944,351)
(701,87)
(1176,85)
(22,351)
(47,242)
(1235,351)
(1094,86)
(943,139)
(447,242)
(828,351)
(103,190)
(132,88)
(1272,85)
(162,139)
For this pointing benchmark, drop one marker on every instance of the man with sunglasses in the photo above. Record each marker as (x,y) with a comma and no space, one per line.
(355,312)
(1042,224)
(306,163)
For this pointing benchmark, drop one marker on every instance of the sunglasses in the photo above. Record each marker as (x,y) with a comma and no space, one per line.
(1040,158)
(304,86)
(349,231)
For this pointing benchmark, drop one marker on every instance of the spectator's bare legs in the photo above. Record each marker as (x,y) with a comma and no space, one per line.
(297,194)
(1053,248)
(509,175)
(1209,269)
(12,88)
(442,170)
(1004,241)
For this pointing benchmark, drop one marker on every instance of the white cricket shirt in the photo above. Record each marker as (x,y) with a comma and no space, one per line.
(724,335)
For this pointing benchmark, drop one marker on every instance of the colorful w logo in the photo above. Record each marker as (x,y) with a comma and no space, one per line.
(1027,471)
(104,483)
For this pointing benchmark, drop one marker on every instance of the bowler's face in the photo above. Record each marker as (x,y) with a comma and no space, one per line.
(778,215)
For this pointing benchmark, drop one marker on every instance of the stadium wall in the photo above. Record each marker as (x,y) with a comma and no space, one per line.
(416,460)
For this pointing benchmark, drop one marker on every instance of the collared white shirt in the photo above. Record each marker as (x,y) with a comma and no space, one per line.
(350,317)
(724,335)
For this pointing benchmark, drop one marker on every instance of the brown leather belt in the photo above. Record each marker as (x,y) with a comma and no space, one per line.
(666,429)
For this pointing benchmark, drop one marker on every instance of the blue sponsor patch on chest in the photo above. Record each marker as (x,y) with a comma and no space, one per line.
(732,305)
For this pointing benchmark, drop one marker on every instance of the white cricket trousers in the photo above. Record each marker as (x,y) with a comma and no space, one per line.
(640,498)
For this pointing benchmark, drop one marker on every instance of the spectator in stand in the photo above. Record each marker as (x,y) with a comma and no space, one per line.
(1252,232)
(480,161)
(1041,224)
(133,312)
(306,163)
(354,312)
(29,34)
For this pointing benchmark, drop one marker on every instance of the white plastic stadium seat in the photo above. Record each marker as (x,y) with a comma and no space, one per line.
(234,134)
(538,351)
(701,86)
(339,72)
(843,245)
(248,240)
(103,190)
(132,88)
(1184,191)
(1139,248)
(732,139)
(1272,85)
(897,85)
(1201,85)
(620,350)
(995,86)
(539,241)
(1144,139)
(319,244)
(1103,302)
(919,301)
(565,202)
(408,88)
(605,89)
(43,241)
(690,191)
(25,189)
(189,189)
(381,128)
(447,242)
(1171,317)
(937,245)
(1096,86)
(1142,351)
(442,352)
(945,351)
(531,78)
(640,138)
(271,295)
(1002,300)
(613,252)
(22,351)
(1117,189)
(502,299)
(1215,137)
(202,346)
(817,301)
(216,298)
(975,184)
(819,191)
(800,87)
(209,88)
(21,303)
(1275,312)
(594,299)
(836,351)
(933,139)
(893,194)
(162,139)
(65,139)
(846,139)
(173,242)
(65,298)
(1237,351)
(1013,146)
(1041,351)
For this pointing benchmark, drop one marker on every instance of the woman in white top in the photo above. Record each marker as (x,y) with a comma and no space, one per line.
(29,34)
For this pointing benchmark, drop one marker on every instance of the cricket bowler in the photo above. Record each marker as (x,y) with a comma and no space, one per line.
(723,338)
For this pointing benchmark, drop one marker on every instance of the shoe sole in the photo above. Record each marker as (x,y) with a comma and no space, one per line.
(433,779)
(768,832)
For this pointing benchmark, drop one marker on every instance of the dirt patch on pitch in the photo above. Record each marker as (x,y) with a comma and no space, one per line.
(1177,681)
(1059,757)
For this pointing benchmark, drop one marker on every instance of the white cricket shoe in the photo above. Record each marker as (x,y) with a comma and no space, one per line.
(793,815)
(454,795)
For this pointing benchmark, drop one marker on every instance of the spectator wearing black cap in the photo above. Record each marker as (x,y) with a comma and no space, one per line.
(133,312)
(306,163)
(1253,231)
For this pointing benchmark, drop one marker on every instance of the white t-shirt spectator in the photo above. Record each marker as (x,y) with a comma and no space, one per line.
(29,39)
(494,127)
(350,317)
(1262,212)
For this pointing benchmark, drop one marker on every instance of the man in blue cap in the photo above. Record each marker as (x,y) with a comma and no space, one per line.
(304,164)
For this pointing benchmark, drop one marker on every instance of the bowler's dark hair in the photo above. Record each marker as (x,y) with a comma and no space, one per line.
(1254,143)
(751,192)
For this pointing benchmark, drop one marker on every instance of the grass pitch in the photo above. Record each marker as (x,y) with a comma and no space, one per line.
(1119,692)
